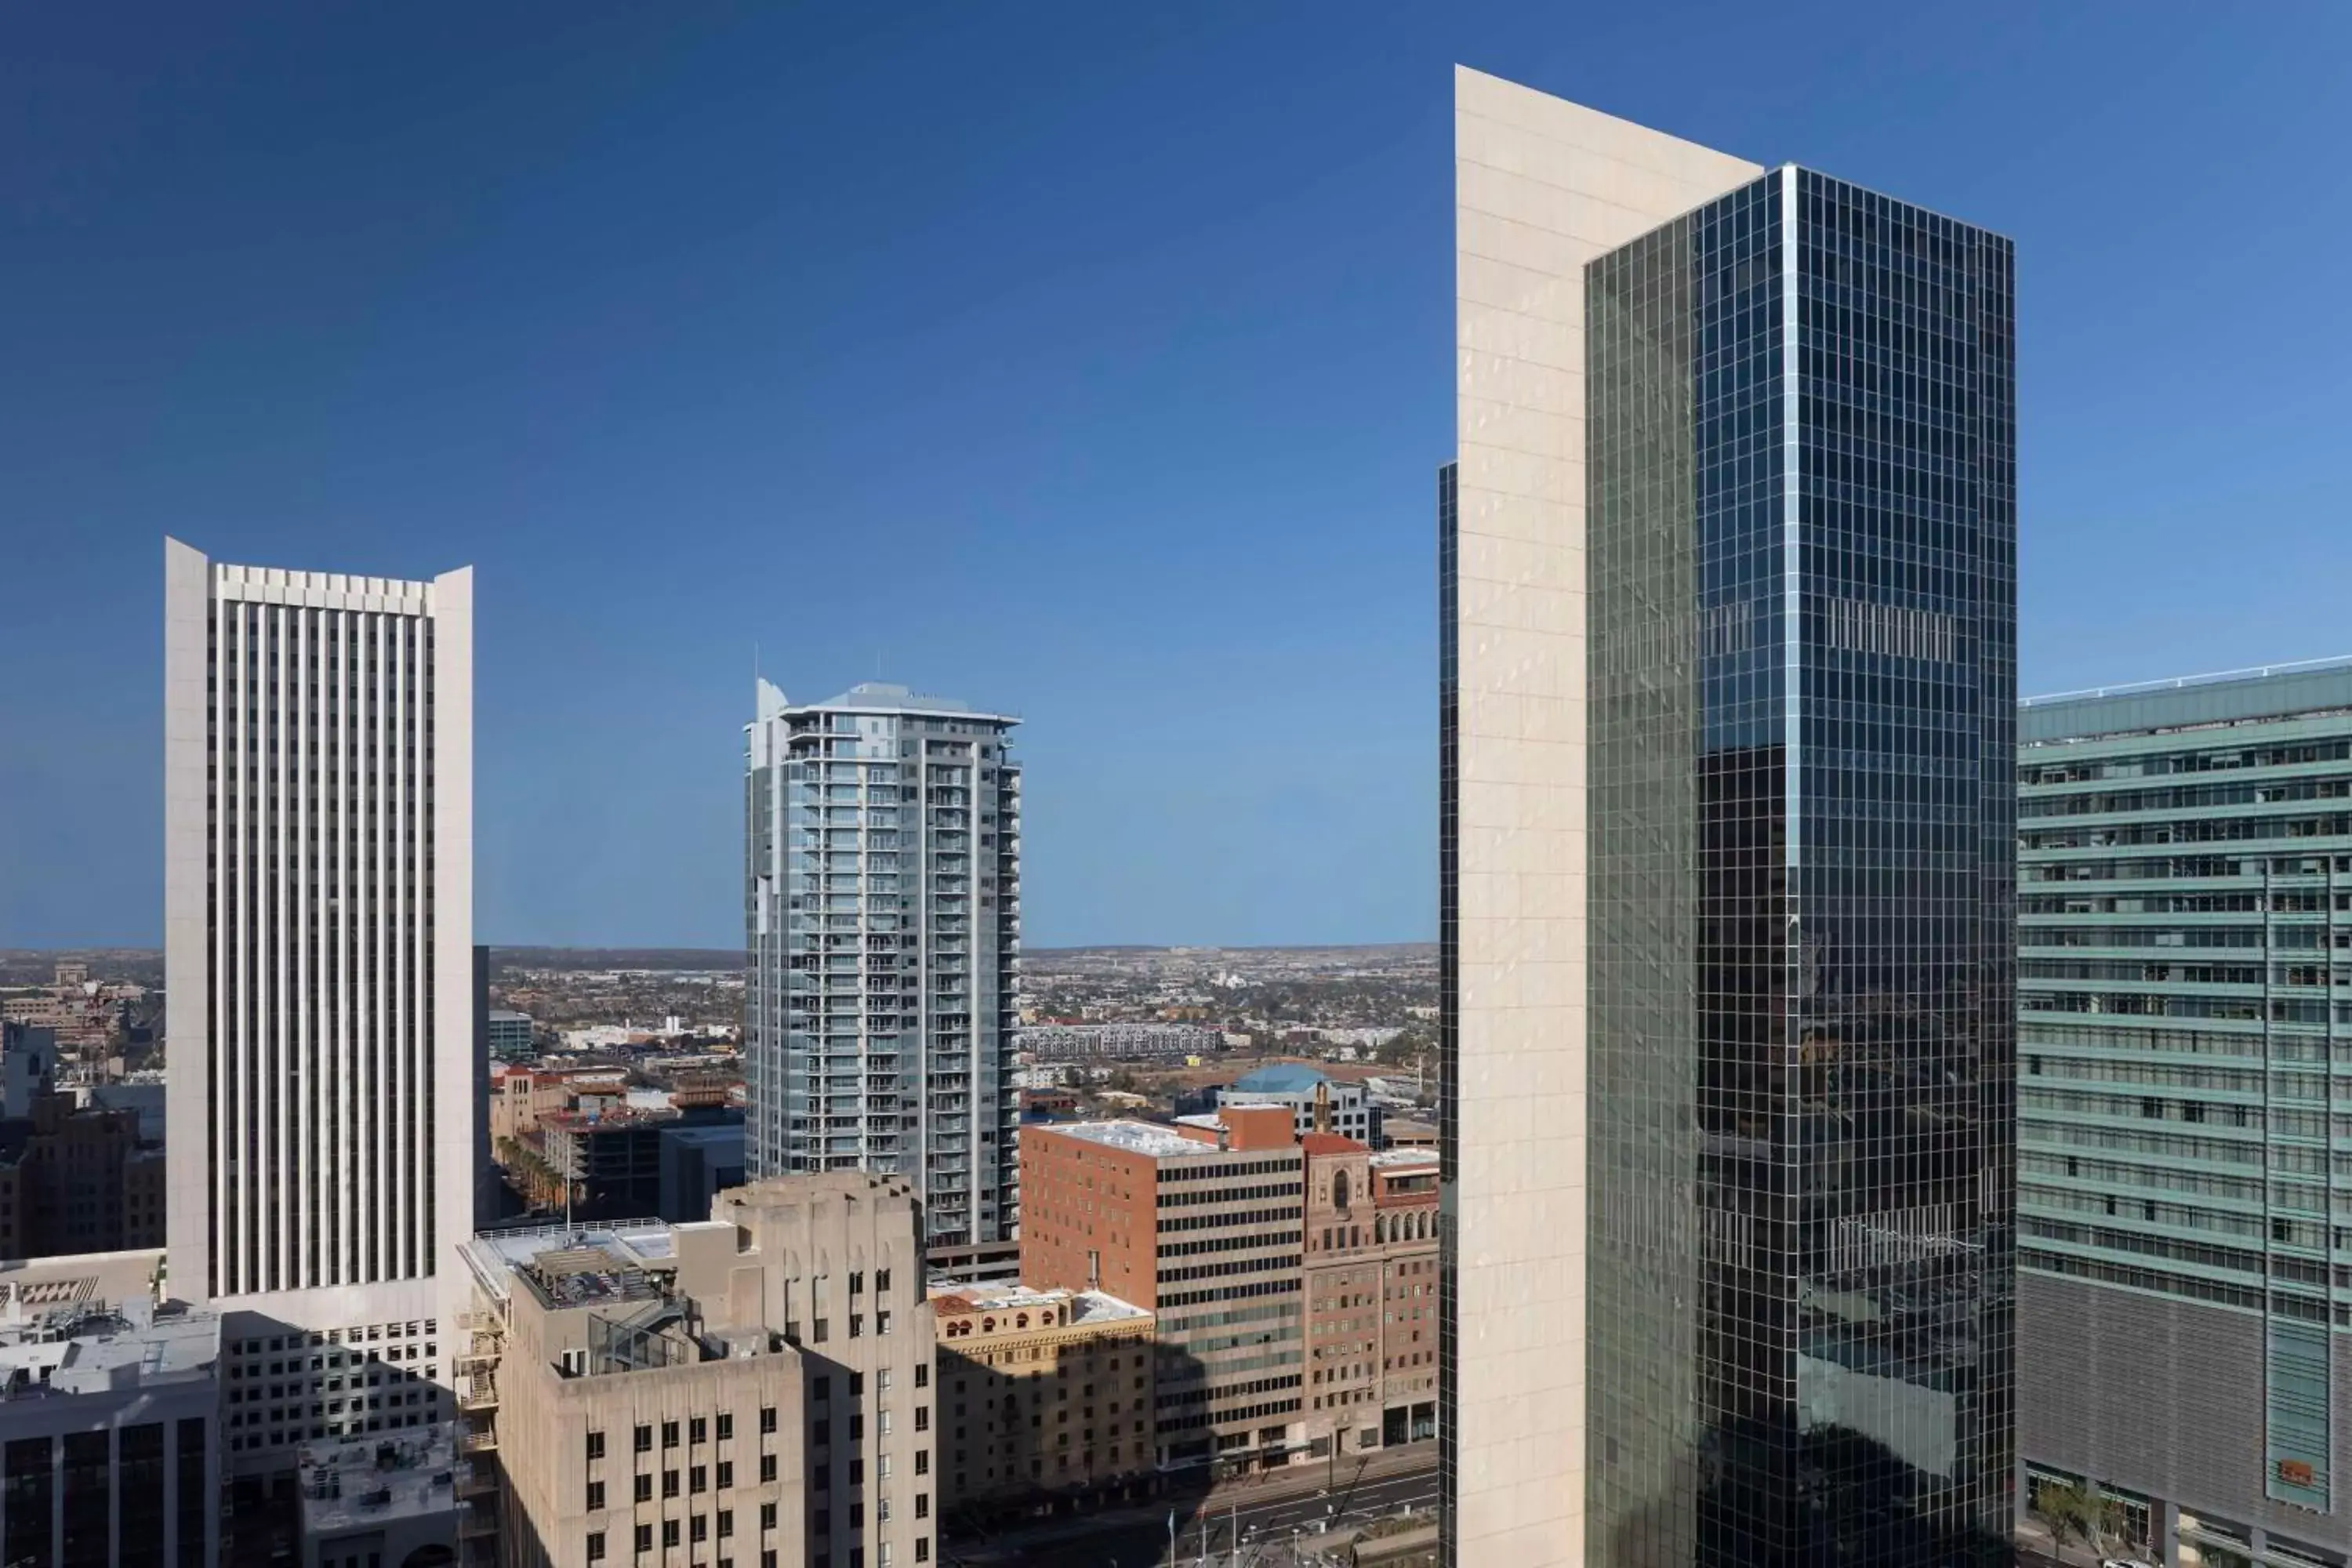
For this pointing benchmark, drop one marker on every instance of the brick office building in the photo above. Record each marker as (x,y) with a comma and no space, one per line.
(1371,1295)
(1199,1224)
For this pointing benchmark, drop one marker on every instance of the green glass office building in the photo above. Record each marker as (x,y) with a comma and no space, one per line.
(2185,1109)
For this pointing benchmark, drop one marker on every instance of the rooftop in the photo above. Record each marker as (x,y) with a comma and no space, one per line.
(353,1483)
(2188,702)
(1086,1306)
(1282,1078)
(96,1347)
(580,1254)
(876,696)
(1135,1137)
(1404,1159)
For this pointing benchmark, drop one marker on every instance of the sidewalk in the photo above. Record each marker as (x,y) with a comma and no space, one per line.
(1253,1490)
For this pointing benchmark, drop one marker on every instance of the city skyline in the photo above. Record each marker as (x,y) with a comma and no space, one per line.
(452,399)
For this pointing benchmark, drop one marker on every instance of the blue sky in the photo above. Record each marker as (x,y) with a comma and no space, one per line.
(1091,363)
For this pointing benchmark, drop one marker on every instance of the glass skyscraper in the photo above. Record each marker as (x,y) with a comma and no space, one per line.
(2185,851)
(882,913)
(1802,575)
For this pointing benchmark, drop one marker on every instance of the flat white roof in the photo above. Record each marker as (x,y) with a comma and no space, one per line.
(90,1348)
(1136,1137)
(1405,1157)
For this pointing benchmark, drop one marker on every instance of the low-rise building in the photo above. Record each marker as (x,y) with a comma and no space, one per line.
(1045,1398)
(1199,1224)
(109,1417)
(754,1387)
(1315,1099)
(509,1035)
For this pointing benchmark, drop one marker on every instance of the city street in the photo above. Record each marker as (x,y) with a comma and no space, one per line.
(1138,1538)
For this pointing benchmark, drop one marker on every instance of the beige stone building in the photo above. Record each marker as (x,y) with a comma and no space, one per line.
(1043,1395)
(1541,187)
(753,1389)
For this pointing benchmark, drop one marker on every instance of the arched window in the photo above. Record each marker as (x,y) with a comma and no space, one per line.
(1338,1189)
(1022,1322)
(1380,1227)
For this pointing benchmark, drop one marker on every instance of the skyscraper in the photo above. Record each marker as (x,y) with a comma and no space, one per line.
(2184,883)
(1727,687)
(318,954)
(882,924)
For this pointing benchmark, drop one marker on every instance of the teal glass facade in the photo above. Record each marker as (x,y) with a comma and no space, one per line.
(2185,922)
(1802,679)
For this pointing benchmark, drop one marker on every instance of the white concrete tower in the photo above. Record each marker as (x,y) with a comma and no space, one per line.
(319,958)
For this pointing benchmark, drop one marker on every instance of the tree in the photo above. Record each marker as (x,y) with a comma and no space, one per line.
(2079,1509)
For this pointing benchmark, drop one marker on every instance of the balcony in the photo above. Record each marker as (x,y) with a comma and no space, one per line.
(481,1392)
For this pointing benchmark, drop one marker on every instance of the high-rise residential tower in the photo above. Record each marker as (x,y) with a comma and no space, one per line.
(882,916)
(318,757)
(1727,703)
(2185,918)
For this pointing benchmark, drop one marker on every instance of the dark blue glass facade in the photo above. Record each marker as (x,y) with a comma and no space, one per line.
(1801,676)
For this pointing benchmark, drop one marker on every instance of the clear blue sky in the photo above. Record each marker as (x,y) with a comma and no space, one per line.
(1091,363)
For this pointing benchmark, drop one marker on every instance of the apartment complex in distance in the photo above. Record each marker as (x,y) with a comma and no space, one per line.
(317,763)
(2185,922)
(1042,1394)
(1726,707)
(882,915)
(756,1387)
(1199,1224)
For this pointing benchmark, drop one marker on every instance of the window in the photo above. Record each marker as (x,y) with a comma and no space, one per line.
(820,1429)
(595,1497)
(645,1539)
(881,1281)
(767,1468)
(669,1532)
(767,1516)
(923,1417)
(726,1476)
(881,1322)
(643,1491)
(922,1461)
(595,1546)
(768,1412)
(922,1374)
(642,1440)
(822,1331)
(698,1480)
(596,1445)
(820,1389)
(669,1433)
(726,1425)
(698,1430)
(701,1531)
(856,1325)
(669,1483)
(922,1505)
(726,1522)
